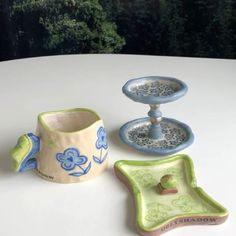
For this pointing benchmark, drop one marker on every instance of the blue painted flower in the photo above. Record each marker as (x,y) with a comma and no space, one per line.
(71,158)
(102,138)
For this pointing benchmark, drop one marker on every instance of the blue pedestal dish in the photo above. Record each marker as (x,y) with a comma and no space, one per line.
(156,134)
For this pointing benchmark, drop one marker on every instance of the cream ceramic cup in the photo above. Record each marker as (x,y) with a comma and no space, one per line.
(69,146)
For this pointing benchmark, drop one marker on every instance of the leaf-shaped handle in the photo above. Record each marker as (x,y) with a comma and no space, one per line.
(23,154)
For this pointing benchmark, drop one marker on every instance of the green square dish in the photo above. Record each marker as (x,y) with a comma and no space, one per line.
(156,212)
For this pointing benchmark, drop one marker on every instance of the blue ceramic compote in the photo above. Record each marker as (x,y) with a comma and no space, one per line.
(156,134)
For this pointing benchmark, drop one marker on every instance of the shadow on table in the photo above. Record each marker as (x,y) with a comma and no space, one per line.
(5,160)
(115,140)
(130,214)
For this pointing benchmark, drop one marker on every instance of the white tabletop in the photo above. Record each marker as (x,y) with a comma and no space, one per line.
(30,205)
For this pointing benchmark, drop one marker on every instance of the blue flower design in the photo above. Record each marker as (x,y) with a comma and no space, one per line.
(102,138)
(101,144)
(71,158)
(100,160)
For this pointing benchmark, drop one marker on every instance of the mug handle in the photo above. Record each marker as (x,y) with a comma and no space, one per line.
(23,154)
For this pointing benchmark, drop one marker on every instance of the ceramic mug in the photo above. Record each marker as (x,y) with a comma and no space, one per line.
(69,146)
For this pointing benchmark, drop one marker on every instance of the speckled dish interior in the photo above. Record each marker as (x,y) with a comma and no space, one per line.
(155,210)
(176,136)
(154,89)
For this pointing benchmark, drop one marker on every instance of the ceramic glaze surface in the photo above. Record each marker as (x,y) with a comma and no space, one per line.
(176,136)
(71,158)
(153,210)
(154,89)
(73,146)
(23,155)
(156,134)
(101,145)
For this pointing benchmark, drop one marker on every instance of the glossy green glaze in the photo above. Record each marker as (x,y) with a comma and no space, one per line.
(154,210)
(20,151)
(168,181)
